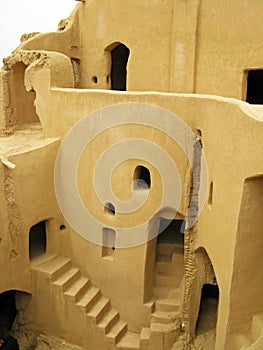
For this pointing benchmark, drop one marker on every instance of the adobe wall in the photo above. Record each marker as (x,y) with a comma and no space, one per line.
(194,46)
(222,122)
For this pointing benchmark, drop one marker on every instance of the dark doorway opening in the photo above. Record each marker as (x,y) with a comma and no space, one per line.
(170,242)
(141,178)
(119,60)
(7,311)
(170,231)
(37,240)
(255,87)
(207,317)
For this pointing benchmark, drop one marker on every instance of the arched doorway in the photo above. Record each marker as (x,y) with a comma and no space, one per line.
(207,316)
(119,59)
(204,303)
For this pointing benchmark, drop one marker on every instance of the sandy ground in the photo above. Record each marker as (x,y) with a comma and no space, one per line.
(29,341)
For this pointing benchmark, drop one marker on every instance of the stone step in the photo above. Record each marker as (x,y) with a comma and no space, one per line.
(117,332)
(67,278)
(167,280)
(78,288)
(89,298)
(130,341)
(108,320)
(55,267)
(41,260)
(166,267)
(162,292)
(99,309)
(159,327)
(167,305)
(178,258)
(177,293)
(145,337)
(164,248)
(163,317)
(163,258)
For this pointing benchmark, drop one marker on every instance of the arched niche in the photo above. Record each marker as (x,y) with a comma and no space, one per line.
(204,295)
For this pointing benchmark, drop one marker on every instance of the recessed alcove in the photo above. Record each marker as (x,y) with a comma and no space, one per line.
(108,242)
(37,240)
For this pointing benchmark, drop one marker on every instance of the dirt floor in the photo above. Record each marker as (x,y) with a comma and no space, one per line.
(206,326)
(30,341)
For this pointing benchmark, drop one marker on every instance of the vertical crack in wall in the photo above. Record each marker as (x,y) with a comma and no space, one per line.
(190,236)
(76,71)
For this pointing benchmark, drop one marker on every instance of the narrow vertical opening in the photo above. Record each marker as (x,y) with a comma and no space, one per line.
(211,189)
(255,86)
(37,240)
(76,70)
(141,178)
(108,242)
(119,59)
(207,317)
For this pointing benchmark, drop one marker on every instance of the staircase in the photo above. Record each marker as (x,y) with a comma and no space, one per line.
(82,297)
(253,340)
(168,290)
(98,324)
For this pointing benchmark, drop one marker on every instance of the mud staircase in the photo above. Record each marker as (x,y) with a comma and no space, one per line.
(253,340)
(65,284)
(79,293)
(169,284)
